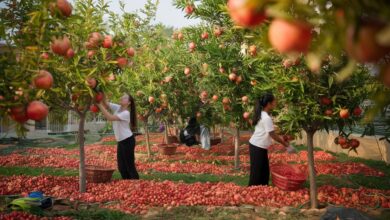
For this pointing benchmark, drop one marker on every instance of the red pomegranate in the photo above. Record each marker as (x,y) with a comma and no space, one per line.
(189,9)
(64,7)
(45,56)
(244,99)
(107,42)
(357,111)
(354,143)
(205,35)
(44,80)
(37,110)
(246,115)
(232,76)
(94,109)
(246,13)
(290,36)
(187,71)
(180,36)
(225,100)
(91,53)
(95,39)
(99,97)
(91,82)
(60,46)
(18,114)
(344,113)
(70,53)
(122,62)
(130,51)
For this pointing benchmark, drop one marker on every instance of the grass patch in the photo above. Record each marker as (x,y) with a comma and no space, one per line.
(70,146)
(199,213)
(302,147)
(36,171)
(110,143)
(141,142)
(92,214)
(373,182)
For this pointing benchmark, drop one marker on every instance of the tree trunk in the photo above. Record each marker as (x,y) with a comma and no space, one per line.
(166,134)
(236,148)
(221,133)
(214,132)
(147,139)
(82,175)
(312,174)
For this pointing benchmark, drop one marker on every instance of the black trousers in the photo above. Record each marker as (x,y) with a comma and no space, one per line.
(259,166)
(126,158)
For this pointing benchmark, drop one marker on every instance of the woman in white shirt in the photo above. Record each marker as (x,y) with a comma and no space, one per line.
(262,139)
(121,119)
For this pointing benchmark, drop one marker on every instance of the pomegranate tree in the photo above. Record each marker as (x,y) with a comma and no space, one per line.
(66,75)
(324,31)
(220,67)
(316,102)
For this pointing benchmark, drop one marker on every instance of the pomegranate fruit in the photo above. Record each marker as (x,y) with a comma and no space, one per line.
(64,7)
(60,46)
(290,36)
(44,80)
(246,13)
(37,110)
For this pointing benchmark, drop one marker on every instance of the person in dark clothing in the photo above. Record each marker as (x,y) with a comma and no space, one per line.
(189,133)
(121,119)
(262,139)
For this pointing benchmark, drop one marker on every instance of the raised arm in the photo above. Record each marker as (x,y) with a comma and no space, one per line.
(107,115)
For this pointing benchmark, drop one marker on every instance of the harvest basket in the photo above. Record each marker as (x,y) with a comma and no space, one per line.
(167,149)
(287,177)
(98,174)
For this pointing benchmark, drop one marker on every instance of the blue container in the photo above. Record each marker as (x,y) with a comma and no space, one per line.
(36,194)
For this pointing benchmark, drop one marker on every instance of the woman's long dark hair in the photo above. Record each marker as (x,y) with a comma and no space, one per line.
(260,104)
(133,113)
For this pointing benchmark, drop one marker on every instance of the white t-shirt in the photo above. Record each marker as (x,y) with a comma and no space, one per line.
(261,137)
(122,127)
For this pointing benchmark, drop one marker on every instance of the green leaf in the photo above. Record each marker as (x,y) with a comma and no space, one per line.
(330,82)
(92,71)
(40,93)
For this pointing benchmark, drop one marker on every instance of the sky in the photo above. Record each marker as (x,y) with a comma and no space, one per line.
(166,12)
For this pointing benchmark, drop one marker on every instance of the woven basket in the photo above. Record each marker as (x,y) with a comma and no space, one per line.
(215,141)
(167,149)
(286,182)
(98,174)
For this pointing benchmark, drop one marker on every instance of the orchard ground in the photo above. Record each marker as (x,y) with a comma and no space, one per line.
(193,183)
